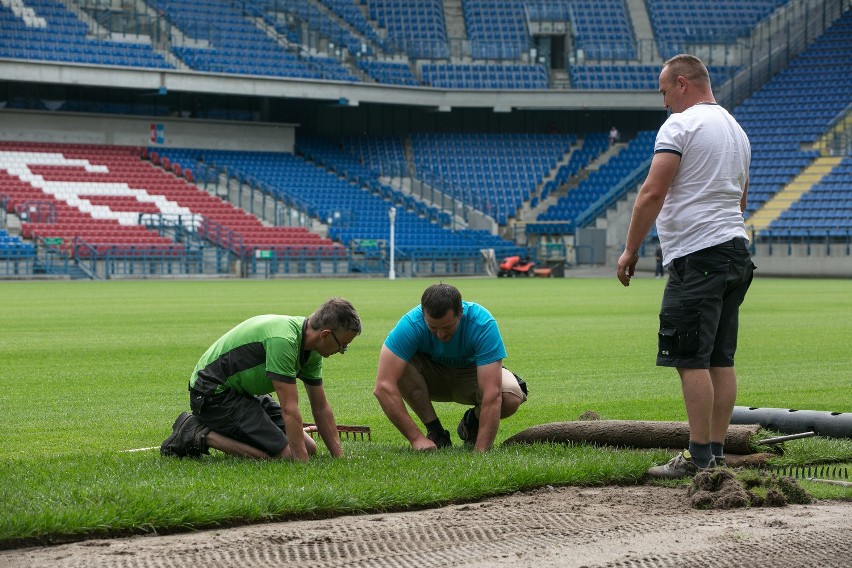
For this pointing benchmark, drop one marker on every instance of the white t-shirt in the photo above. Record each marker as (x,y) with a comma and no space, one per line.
(702,207)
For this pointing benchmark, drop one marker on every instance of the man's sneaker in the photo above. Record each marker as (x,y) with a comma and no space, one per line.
(441,438)
(720,461)
(679,466)
(187,438)
(468,427)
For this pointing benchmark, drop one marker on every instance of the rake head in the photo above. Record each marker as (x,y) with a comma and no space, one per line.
(823,473)
(347,432)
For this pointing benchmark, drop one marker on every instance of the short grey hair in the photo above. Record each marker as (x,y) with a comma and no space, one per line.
(688,66)
(336,314)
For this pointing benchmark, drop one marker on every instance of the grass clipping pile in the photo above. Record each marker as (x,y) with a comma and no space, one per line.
(722,489)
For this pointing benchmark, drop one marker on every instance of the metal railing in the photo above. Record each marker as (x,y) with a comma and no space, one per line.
(774,41)
(617,192)
(838,141)
(832,242)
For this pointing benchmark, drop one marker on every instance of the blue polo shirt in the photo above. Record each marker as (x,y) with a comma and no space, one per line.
(476,342)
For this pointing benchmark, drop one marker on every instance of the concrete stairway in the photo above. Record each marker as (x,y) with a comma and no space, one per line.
(836,141)
(454,20)
(782,200)
(647,46)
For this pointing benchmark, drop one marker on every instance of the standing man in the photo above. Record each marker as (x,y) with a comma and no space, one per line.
(614,136)
(230,386)
(658,257)
(447,350)
(696,191)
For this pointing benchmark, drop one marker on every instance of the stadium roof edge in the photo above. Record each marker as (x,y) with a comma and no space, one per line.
(158,80)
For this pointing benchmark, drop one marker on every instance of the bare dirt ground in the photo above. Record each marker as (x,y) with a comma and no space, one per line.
(638,526)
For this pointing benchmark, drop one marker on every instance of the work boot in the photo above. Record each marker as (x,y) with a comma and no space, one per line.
(441,438)
(468,427)
(187,438)
(681,465)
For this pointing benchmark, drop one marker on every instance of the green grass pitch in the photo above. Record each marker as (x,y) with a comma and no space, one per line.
(90,369)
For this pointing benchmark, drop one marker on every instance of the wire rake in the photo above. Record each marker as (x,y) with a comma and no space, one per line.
(347,432)
(834,475)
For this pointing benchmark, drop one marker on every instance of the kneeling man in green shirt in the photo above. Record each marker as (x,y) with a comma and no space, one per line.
(229,390)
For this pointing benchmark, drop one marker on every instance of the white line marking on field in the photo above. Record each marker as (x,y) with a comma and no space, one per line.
(139,449)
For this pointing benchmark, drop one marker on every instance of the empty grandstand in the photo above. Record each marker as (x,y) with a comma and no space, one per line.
(157,137)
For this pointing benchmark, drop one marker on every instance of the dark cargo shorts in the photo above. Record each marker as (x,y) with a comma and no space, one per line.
(254,420)
(699,315)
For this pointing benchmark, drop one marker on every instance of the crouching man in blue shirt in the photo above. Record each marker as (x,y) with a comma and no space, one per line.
(447,350)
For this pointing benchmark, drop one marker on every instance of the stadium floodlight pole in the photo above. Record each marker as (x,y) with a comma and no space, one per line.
(392,216)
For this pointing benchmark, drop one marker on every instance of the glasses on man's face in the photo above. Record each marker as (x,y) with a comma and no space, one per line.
(340,347)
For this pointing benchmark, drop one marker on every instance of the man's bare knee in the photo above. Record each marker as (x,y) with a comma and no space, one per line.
(511,403)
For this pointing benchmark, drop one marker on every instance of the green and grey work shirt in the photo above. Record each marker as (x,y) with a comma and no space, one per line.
(256,352)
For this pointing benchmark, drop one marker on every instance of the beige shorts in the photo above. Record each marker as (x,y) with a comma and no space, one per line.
(447,384)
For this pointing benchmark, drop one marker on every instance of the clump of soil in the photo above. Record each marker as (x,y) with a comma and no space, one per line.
(721,489)
(589,415)
(774,490)
(717,489)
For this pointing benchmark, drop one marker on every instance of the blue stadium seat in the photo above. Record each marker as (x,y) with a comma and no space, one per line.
(350,209)
(56,34)
(777,136)
(677,23)
(469,167)
(600,181)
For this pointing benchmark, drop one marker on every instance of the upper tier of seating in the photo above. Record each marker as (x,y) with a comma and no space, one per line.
(289,16)
(230,42)
(47,30)
(677,23)
(497,29)
(548,10)
(288,39)
(482,76)
(417,28)
(350,12)
(389,73)
(604,29)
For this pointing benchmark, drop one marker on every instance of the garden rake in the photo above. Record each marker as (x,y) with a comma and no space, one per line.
(833,475)
(347,432)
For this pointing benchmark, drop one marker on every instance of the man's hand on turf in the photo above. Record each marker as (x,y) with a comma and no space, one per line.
(423,444)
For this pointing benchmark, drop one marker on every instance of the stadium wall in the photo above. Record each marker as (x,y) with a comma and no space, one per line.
(816,258)
(781,262)
(167,132)
(330,92)
(802,260)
